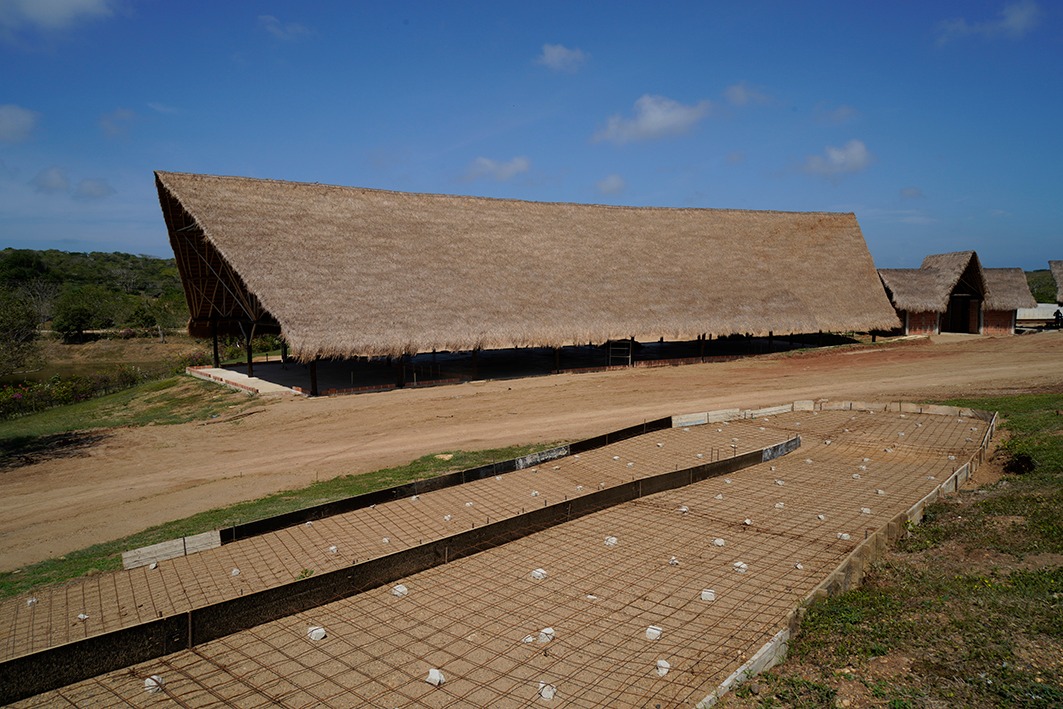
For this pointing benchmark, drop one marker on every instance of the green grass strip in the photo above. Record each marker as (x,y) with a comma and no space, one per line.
(107,556)
(173,400)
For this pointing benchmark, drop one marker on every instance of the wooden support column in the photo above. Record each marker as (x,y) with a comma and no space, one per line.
(557,359)
(250,356)
(313,377)
(284,352)
(476,363)
(401,380)
(771,340)
(701,346)
(214,336)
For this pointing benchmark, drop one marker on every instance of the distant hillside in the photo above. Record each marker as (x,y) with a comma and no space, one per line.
(1042,285)
(83,291)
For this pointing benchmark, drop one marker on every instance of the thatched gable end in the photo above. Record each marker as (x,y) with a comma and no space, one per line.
(927,289)
(343,271)
(1008,289)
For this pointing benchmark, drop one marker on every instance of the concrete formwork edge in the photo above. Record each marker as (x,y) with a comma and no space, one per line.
(850,572)
(75,661)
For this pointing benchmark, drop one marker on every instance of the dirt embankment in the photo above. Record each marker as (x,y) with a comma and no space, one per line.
(136,478)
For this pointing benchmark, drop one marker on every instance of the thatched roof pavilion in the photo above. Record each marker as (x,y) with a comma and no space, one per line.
(343,271)
(1057,273)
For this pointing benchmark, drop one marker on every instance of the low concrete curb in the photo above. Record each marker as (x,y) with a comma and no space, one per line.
(850,572)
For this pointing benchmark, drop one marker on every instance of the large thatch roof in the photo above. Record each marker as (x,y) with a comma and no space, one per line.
(1057,273)
(1008,289)
(344,270)
(927,288)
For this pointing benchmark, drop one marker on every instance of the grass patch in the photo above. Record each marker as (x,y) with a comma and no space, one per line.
(972,599)
(108,556)
(177,399)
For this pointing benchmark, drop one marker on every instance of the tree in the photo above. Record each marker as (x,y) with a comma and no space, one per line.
(20,265)
(18,334)
(74,314)
(40,295)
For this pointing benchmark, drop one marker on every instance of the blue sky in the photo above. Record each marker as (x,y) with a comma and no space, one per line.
(937,123)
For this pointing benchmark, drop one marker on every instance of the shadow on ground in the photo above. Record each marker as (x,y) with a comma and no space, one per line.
(28,450)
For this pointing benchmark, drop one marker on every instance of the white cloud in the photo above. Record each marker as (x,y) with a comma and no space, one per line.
(852,157)
(50,180)
(560,58)
(93,188)
(612,184)
(50,14)
(911,193)
(501,171)
(742,94)
(116,123)
(161,107)
(835,114)
(283,30)
(1016,20)
(16,123)
(655,117)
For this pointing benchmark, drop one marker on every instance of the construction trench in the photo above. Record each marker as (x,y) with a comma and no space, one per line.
(667,562)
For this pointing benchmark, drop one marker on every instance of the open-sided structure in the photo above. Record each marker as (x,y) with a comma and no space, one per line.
(343,271)
(953,293)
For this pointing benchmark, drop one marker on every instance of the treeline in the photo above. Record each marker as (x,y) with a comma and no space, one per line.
(1042,285)
(79,292)
(74,294)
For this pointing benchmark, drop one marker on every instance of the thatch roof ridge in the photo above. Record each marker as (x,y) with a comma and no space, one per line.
(1057,272)
(1008,289)
(513,200)
(357,271)
(950,261)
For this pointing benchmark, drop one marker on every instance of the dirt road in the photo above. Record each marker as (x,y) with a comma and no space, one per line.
(140,477)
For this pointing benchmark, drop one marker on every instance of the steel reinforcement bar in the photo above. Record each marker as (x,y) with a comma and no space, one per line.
(55,667)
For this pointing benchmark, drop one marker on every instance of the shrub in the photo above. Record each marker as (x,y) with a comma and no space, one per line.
(28,398)
(192,358)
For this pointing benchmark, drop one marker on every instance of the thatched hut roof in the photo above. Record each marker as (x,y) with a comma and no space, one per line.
(344,270)
(927,288)
(1057,273)
(915,289)
(1008,289)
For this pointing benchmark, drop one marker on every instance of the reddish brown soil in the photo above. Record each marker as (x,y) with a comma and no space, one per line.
(140,477)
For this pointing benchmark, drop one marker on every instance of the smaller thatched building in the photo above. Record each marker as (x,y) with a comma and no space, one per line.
(1008,292)
(1057,273)
(953,293)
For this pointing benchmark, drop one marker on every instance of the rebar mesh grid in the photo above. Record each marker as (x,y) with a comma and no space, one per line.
(51,616)
(470,618)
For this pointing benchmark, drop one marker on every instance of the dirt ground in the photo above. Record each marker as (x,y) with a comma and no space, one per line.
(145,476)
